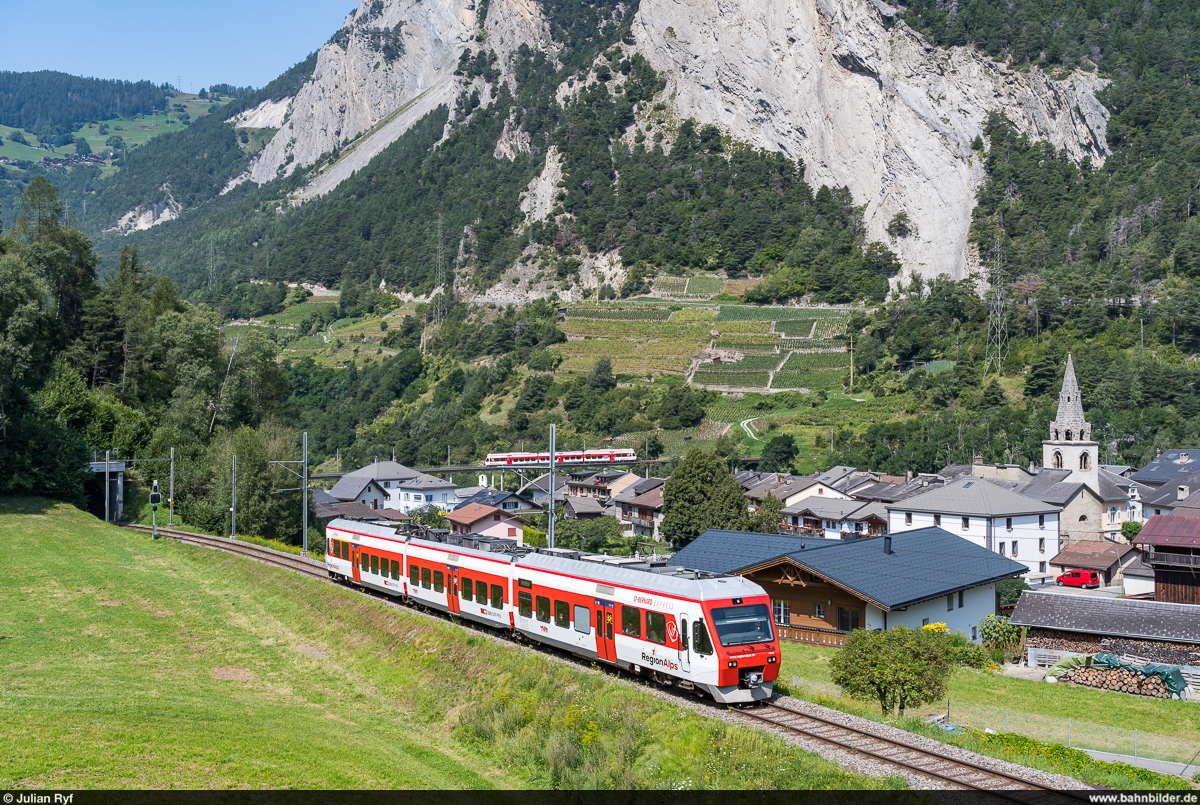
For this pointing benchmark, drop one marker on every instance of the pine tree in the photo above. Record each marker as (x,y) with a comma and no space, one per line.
(699,495)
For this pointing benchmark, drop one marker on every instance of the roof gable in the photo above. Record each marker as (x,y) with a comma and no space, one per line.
(1170,529)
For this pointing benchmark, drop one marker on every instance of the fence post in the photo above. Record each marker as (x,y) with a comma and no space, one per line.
(1068,733)
(947,709)
(1135,743)
(1006,719)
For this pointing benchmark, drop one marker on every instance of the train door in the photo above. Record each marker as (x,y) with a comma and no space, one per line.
(606,645)
(452,589)
(685,648)
(355,551)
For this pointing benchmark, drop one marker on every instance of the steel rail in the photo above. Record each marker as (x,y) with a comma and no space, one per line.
(960,773)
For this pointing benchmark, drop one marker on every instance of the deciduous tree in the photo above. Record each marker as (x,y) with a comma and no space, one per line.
(898,668)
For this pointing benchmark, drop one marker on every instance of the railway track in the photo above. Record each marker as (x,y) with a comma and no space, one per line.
(959,774)
(259,553)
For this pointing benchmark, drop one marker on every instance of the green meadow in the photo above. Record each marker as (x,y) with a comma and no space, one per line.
(131,663)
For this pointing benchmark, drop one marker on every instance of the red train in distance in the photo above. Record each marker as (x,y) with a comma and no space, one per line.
(683,628)
(562,457)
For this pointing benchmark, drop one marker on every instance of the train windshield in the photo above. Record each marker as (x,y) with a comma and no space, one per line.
(741,625)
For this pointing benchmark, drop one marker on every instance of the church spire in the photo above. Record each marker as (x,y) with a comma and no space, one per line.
(1070,425)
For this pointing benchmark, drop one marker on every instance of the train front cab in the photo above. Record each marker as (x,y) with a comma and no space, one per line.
(745,649)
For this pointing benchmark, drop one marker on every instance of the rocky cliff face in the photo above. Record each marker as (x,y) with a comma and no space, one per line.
(841,84)
(393,62)
(864,101)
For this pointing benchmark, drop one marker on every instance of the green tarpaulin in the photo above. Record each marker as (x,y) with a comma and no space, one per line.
(1169,674)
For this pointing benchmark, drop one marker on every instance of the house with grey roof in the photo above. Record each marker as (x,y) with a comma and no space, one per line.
(359,489)
(406,489)
(834,519)
(1172,467)
(992,517)
(821,589)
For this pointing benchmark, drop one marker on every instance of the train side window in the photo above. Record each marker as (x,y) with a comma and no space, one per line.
(525,604)
(413,574)
(366,561)
(439,581)
(631,621)
(374,564)
(700,635)
(345,549)
(468,589)
(481,593)
(395,570)
(562,614)
(543,609)
(425,577)
(656,627)
(497,596)
(583,619)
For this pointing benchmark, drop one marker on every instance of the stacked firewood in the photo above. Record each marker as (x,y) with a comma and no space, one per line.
(1119,679)
(1063,641)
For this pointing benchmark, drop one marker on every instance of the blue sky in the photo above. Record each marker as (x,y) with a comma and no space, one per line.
(214,42)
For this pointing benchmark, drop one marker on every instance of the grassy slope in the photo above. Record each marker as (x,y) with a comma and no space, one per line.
(1162,716)
(130,663)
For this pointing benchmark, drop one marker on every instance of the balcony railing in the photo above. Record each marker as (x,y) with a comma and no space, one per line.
(638,521)
(800,530)
(1173,559)
(813,637)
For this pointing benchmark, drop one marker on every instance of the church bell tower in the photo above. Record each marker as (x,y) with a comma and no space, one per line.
(1070,446)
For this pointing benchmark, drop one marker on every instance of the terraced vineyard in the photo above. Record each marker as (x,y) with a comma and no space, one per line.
(727,377)
(731,327)
(747,363)
(635,347)
(672,286)
(694,314)
(816,360)
(809,378)
(299,313)
(795,328)
(709,286)
(619,314)
(675,442)
(747,343)
(815,344)
(829,327)
(742,313)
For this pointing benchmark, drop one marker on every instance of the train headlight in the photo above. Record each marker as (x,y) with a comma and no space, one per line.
(770,659)
(733,663)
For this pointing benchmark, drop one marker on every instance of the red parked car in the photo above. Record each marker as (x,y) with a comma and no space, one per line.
(1079,578)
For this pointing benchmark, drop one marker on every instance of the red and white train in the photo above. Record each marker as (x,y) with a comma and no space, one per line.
(681,627)
(613,455)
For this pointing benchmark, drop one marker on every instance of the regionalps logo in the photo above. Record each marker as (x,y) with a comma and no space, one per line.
(648,660)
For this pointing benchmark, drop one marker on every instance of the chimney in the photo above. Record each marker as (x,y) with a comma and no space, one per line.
(908,475)
(1182,493)
(887,544)
(978,459)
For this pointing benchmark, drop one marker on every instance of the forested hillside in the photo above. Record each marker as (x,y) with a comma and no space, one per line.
(50,103)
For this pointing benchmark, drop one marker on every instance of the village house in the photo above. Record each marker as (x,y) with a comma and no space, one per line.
(360,489)
(502,500)
(990,516)
(834,518)
(1172,468)
(644,513)
(1172,547)
(789,489)
(486,521)
(599,485)
(822,589)
(402,488)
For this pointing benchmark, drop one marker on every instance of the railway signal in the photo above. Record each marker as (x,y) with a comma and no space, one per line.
(155,500)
